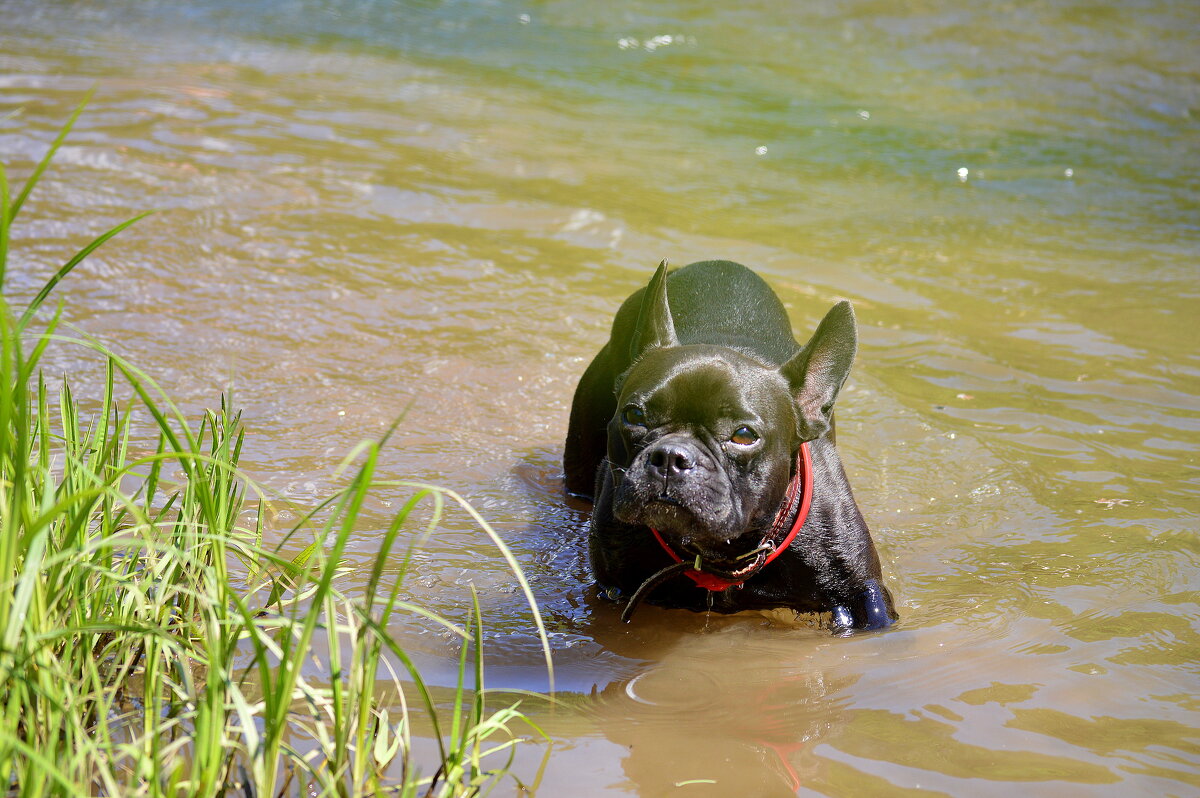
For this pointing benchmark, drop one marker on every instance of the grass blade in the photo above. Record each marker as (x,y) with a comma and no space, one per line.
(71,264)
(4,225)
(15,208)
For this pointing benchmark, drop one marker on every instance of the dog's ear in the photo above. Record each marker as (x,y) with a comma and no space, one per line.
(654,327)
(816,374)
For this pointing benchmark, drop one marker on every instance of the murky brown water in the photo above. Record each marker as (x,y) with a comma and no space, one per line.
(443,203)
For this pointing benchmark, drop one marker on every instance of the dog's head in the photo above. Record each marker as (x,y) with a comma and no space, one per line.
(704,439)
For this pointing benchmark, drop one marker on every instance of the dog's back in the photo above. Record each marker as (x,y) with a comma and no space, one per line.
(719,302)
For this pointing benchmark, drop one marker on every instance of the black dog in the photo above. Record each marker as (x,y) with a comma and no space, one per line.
(705,433)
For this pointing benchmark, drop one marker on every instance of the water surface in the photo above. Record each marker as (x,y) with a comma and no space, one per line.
(440,205)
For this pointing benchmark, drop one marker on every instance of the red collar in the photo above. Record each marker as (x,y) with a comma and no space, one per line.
(768,550)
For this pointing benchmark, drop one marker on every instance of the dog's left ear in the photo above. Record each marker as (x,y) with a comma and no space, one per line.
(816,374)
(655,327)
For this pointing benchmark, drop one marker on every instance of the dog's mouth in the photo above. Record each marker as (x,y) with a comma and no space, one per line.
(700,512)
(669,513)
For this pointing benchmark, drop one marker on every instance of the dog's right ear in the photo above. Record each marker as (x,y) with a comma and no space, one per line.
(816,374)
(655,328)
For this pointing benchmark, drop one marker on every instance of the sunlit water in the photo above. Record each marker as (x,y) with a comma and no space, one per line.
(441,204)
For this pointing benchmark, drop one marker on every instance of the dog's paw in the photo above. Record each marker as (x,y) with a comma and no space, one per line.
(869,610)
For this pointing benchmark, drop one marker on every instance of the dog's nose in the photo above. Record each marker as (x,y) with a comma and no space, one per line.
(668,459)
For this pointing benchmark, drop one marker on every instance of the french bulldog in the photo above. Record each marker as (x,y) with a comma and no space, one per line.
(704,434)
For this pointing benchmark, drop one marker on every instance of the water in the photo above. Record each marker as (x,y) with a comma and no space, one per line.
(438,206)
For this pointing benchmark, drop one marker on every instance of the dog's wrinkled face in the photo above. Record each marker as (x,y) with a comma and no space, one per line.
(701,447)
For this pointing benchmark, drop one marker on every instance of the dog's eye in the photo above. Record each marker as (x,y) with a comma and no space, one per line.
(744,436)
(633,415)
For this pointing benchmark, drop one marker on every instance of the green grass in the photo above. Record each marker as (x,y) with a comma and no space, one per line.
(152,644)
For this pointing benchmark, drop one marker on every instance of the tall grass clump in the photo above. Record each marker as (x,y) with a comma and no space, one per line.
(151,644)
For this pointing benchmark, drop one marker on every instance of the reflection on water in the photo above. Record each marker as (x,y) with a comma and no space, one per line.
(443,203)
